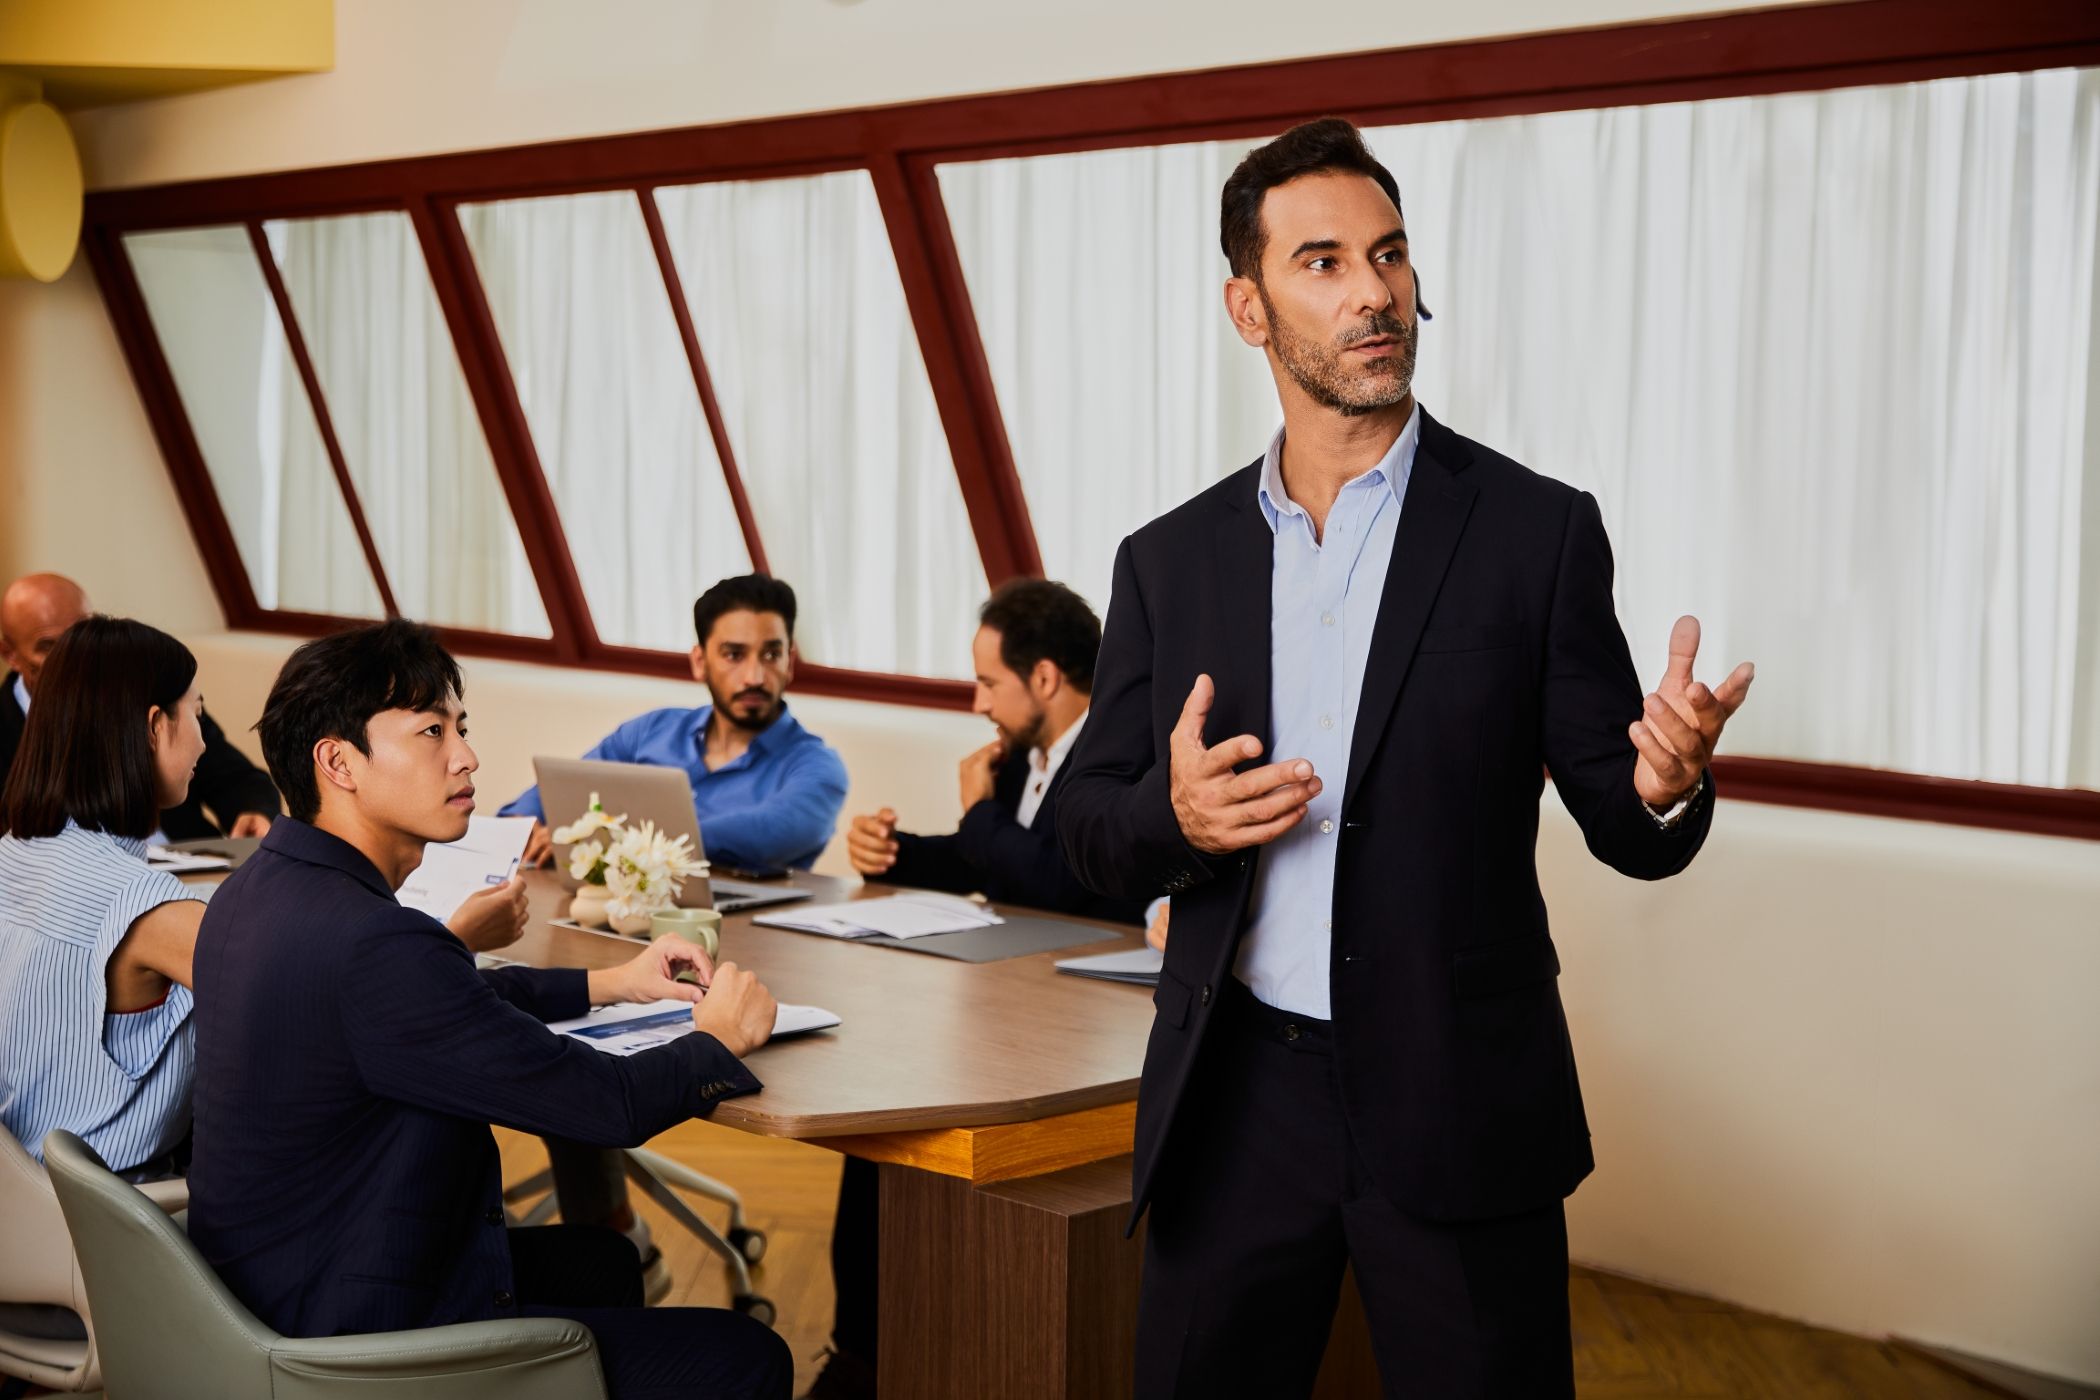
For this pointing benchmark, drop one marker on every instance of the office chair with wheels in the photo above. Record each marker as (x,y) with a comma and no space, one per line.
(46,1337)
(166,1326)
(657,1176)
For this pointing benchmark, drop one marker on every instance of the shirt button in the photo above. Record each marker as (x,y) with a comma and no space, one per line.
(1326,721)
(1327,926)
(503,1298)
(1326,827)
(1327,619)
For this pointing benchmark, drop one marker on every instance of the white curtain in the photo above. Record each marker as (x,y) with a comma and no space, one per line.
(1825,358)
(218,329)
(795,297)
(594,351)
(406,424)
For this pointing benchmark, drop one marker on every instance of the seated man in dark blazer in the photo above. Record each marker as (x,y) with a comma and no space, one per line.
(350,1058)
(1034,656)
(33,612)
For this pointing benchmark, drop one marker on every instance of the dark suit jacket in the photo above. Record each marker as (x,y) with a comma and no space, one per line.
(225,780)
(1496,655)
(993,854)
(349,1062)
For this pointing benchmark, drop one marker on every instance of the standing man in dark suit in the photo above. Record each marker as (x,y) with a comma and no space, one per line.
(350,1058)
(1359,1054)
(34,610)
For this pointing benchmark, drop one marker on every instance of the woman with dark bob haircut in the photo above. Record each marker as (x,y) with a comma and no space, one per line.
(95,944)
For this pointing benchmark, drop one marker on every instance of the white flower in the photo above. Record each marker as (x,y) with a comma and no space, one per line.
(589,823)
(586,862)
(644,869)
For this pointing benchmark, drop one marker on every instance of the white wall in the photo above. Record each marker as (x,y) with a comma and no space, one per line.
(413,77)
(1842,1070)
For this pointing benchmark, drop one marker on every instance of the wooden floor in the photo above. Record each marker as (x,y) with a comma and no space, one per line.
(1633,1341)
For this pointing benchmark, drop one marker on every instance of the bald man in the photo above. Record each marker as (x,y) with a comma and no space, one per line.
(33,612)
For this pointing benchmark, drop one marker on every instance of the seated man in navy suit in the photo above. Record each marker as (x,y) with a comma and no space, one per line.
(350,1058)
(1034,659)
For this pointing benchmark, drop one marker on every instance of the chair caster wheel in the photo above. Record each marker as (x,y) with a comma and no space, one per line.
(749,1243)
(754,1307)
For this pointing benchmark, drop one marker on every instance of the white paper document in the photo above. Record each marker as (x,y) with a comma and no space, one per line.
(1138,965)
(184,862)
(487,855)
(912,915)
(631,1029)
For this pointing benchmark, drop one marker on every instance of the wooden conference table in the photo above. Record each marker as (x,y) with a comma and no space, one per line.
(999,1099)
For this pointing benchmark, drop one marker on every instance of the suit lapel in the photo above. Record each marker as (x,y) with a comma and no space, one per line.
(1245,561)
(1432,516)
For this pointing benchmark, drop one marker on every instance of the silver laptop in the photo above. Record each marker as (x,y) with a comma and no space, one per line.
(644,792)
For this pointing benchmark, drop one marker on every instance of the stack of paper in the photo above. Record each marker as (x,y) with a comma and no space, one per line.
(913,915)
(1140,965)
(631,1029)
(184,862)
(487,855)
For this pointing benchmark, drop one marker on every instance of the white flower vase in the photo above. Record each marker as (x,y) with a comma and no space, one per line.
(634,924)
(588,907)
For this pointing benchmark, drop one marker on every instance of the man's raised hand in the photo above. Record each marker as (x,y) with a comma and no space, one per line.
(1220,810)
(1681,721)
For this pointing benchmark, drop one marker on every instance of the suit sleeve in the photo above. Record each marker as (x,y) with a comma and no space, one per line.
(933,863)
(1591,695)
(543,993)
(1027,864)
(425,1028)
(228,783)
(1115,818)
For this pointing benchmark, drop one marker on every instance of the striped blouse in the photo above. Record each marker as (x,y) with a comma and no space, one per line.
(119,1080)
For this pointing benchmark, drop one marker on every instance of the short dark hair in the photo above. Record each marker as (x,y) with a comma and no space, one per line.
(743,593)
(86,754)
(331,688)
(1329,144)
(1039,620)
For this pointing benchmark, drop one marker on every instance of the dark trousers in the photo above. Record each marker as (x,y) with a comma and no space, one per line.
(856,1274)
(1261,1202)
(593,1276)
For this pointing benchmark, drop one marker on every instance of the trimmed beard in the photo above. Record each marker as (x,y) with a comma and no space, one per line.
(1318,370)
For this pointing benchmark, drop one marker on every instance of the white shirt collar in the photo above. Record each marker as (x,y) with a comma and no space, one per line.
(1045,763)
(1392,470)
(21,693)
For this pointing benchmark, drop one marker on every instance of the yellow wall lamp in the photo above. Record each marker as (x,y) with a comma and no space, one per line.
(40,185)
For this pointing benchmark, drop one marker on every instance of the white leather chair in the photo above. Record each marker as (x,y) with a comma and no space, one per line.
(46,1335)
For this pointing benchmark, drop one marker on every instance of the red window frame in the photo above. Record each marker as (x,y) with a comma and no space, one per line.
(1809,47)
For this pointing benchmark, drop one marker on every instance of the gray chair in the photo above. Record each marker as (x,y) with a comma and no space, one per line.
(166,1326)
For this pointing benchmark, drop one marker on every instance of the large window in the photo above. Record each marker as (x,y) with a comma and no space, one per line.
(220,334)
(599,367)
(1818,333)
(399,407)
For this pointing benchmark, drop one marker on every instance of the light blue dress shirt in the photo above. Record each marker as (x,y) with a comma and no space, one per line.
(776,803)
(121,1080)
(1323,600)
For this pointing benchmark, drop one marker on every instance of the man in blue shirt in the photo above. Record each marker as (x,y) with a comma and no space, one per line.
(767,792)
